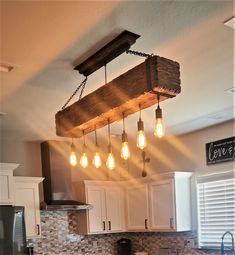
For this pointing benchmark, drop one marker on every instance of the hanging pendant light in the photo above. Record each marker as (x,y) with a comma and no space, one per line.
(125,151)
(97,162)
(159,129)
(141,139)
(73,158)
(110,162)
(84,159)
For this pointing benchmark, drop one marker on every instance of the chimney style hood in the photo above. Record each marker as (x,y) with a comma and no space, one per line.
(58,188)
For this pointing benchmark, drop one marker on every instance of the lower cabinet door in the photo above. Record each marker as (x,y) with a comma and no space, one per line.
(96,215)
(162,205)
(114,209)
(137,207)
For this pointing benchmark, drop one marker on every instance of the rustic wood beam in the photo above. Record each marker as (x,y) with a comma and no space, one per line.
(138,86)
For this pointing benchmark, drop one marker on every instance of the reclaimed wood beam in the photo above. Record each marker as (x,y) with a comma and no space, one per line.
(138,86)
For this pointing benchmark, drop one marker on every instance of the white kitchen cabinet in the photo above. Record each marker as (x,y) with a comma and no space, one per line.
(107,214)
(26,193)
(6,183)
(159,203)
(170,203)
(156,203)
(137,209)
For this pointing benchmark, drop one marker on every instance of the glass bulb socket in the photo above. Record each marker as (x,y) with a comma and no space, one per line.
(84,149)
(110,148)
(140,125)
(158,113)
(72,147)
(124,137)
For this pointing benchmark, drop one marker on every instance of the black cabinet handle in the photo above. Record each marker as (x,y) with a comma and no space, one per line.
(171,223)
(146,223)
(109,224)
(103,225)
(38,229)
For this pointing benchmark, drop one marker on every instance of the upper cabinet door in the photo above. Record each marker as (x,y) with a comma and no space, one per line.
(162,205)
(96,215)
(26,193)
(6,188)
(6,183)
(137,207)
(114,209)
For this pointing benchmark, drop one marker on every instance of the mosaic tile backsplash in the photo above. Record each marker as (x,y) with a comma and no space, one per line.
(60,236)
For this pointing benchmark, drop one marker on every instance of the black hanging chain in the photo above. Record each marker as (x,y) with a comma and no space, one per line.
(138,53)
(83,83)
(80,86)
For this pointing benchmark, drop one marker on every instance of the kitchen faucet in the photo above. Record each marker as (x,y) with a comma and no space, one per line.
(222,243)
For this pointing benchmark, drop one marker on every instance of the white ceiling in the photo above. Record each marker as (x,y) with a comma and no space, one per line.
(43,40)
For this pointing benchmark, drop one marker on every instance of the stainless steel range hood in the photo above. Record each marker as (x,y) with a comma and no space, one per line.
(58,189)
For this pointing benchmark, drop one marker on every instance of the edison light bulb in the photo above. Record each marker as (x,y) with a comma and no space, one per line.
(97,160)
(125,152)
(110,163)
(73,158)
(84,160)
(141,140)
(159,130)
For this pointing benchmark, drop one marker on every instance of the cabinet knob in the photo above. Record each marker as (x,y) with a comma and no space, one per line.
(38,229)
(146,223)
(103,225)
(109,224)
(171,223)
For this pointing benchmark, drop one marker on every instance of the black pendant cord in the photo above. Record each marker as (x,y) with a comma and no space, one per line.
(140,111)
(158,99)
(72,145)
(109,133)
(80,86)
(84,141)
(105,74)
(96,142)
(140,54)
(123,122)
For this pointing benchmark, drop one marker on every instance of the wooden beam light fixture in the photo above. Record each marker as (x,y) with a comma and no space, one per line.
(138,86)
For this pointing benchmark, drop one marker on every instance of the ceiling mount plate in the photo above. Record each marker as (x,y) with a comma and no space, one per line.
(110,51)
(230,22)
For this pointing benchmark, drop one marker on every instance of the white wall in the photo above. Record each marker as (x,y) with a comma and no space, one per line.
(27,154)
(185,152)
(173,153)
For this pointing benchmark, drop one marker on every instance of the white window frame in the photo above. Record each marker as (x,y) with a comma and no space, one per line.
(205,179)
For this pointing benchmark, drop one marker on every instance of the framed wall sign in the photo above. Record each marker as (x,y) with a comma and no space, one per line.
(220,151)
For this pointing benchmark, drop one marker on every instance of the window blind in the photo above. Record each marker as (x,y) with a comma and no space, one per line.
(216,212)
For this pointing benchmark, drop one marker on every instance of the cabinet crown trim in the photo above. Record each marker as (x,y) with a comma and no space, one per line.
(8,166)
(26,179)
(157,177)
